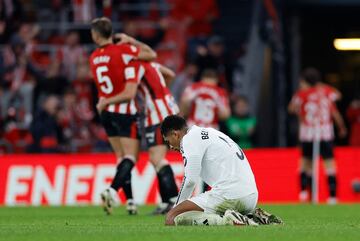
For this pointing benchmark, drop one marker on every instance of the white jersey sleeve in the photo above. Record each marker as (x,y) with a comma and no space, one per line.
(192,150)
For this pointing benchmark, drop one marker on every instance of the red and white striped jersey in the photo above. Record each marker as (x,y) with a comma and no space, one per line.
(158,100)
(108,65)
(206,100)
(315,106)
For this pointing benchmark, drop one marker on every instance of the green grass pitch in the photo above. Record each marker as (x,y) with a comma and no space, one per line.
(302,222)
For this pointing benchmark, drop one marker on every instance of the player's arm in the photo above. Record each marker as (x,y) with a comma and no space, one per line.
(185,102)
(191,176)
(168,74)
(339,122)
(293,107)
(146,53)
(126,95)
(185,105)
(224,113)
(223,108)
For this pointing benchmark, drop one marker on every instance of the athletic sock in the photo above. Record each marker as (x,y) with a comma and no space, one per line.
(167,185)
(309,181)
(123,172)
(198,218)
(332,185)
(303,181)
(127,187)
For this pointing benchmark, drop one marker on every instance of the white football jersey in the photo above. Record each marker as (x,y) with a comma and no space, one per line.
(218,161)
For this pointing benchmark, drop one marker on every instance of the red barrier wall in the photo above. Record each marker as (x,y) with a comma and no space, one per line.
(67,179)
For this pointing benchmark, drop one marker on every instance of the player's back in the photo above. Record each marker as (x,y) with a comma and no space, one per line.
(107,65)
(316,106)
(224,165)
(154,80)
(158,100)
(205,103)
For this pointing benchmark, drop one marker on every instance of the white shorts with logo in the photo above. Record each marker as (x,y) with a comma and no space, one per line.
(212,202)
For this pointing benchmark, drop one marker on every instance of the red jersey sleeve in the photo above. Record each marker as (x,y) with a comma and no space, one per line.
(333,94)
(134,72)
(188,93)
(297,99)
(225,98)
(128,52)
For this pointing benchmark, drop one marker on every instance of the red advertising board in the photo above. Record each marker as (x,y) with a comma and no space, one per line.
(72,179)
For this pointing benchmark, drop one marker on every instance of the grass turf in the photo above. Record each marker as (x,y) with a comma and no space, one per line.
(303,222)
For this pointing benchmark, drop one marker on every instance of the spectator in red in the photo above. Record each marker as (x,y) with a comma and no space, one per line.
(353,115)
(76,128)
(15,134)
(85,91)
(197,15)
(83,10)
(71,54)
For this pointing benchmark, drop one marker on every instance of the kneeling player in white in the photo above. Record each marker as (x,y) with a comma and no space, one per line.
(216,159)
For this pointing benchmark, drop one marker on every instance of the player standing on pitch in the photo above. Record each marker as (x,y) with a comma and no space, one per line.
(148,80)
(216,159)
(315,105)
(107,64)
(205,103)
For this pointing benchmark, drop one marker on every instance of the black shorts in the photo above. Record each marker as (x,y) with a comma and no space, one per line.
(122,125)
(153,136)
(326,149)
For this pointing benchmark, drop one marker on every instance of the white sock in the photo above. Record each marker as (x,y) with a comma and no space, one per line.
(198,218)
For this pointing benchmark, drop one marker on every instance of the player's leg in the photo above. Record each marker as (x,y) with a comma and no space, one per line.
(326,149)
(245,205)
(186,206)
(131,150)
(130,144)
(117,126)
(305,171)
(167,185)
(204,210)
(109,194)
(188,213)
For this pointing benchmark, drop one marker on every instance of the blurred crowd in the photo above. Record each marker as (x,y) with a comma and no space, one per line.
(47,95)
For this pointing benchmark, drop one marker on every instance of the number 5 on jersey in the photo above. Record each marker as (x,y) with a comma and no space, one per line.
(106,85)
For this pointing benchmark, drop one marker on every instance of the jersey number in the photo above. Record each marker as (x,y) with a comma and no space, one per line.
(317,112)
(204,110)
(106,85)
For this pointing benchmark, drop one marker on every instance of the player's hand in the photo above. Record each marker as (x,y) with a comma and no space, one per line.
(101,105)
(123,38)
(342,132)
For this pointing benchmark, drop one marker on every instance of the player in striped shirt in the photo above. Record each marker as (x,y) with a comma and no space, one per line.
(107,64)
(315,106)
(148,80)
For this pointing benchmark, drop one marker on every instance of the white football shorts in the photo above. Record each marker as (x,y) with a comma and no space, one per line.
(212,202)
